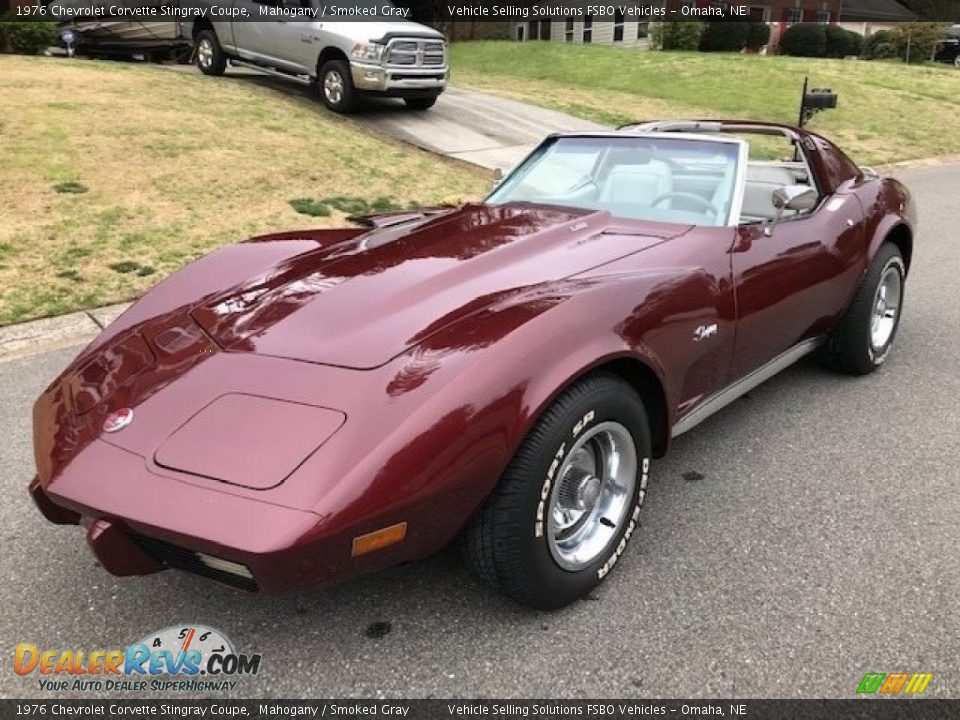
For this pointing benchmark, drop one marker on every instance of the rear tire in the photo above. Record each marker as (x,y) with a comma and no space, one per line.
(420,103)
(863,339)
(210,56)
(335,85)
(570,499)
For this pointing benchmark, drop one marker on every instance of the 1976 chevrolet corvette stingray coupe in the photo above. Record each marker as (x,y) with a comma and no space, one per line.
(310,405)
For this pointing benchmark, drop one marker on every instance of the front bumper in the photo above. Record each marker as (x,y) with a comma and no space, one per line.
(399,81)
(139,523)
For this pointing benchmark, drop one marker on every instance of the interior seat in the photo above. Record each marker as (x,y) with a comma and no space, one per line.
(762,180)
(637,185)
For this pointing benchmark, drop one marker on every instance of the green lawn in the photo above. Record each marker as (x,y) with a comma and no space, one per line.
(116,174)
(887,111)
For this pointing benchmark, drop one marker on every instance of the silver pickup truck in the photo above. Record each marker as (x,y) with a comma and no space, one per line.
(343,59)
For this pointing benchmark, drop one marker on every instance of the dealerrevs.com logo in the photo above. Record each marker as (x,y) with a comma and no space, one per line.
(187,658)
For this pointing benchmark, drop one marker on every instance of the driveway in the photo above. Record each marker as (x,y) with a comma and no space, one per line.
(805,535)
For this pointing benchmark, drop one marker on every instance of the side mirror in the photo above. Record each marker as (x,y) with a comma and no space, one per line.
(497,177)
(791,197)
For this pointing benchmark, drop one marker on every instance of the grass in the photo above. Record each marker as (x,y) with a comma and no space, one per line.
(886,112)
(114,175)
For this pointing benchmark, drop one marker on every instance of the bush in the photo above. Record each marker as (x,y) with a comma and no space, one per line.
(676,35)
(27,38)
(840,43)
(923,39)
(758,35)
(804,40)
(724,37)
(882,44)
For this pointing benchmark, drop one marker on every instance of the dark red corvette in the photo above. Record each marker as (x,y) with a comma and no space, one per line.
(306,406)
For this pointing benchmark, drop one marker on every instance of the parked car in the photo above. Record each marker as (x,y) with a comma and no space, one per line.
(390,58)
(310,405)
(949,49)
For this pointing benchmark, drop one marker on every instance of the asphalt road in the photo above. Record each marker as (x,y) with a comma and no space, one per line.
(800,538)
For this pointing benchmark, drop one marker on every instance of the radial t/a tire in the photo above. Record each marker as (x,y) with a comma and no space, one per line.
(569,501)
(862,340)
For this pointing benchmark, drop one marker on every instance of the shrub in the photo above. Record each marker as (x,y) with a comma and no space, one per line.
(882,44)
(27,38)
(840,43)
(758,35)
(724,37)
(804,40)
(677,35)
(920,38)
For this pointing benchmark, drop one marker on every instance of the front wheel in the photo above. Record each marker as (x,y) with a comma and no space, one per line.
(210,56)
(421,103)
(335,85)
(864,337)
(569,501)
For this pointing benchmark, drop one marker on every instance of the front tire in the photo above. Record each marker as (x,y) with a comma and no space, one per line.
(335,85)
(210,56)
(569,501)
(863,339)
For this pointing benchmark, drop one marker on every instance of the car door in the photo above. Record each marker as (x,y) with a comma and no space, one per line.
(792,284)
(284,44)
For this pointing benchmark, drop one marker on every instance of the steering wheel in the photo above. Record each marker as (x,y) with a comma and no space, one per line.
(705,204)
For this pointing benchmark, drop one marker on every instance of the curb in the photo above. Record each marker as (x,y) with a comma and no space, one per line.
(37,336)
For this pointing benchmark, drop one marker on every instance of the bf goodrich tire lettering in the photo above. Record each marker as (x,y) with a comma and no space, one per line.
(569,502)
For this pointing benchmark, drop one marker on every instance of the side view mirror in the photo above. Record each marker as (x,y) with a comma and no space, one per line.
(791,197)
(497,177)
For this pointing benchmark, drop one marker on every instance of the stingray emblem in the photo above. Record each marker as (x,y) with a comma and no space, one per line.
(704,331)
(118,420)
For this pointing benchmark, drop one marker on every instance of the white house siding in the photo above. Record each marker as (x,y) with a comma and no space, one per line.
(602,33)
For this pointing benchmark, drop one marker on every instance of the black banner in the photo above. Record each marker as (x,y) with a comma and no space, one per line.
(872,709)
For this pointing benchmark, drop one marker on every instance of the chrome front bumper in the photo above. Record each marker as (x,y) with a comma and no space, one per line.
(395,80)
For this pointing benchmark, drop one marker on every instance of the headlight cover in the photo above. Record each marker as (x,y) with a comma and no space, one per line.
(367,52)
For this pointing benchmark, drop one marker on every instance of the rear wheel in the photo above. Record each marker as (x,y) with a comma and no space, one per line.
(210,56)
(570,499)
(864,337)
(335,85)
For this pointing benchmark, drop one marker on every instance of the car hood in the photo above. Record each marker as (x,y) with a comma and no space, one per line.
(361,302)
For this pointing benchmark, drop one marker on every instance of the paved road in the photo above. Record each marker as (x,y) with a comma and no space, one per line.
(483,129)
(802,537)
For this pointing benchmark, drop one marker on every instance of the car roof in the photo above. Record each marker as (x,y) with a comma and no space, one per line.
(652,134)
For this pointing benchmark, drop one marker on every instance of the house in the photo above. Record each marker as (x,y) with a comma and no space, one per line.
(629,31)
(868,16)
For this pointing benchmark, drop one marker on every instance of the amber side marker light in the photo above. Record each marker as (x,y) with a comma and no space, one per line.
(379,539)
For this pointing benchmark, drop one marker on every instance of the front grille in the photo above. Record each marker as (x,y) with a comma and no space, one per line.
(187,560)
(407,76)
(415,53)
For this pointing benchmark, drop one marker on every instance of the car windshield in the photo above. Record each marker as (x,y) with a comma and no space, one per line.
(683,180)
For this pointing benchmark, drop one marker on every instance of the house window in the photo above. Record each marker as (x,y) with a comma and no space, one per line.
(759,13)
(568,30)
(794,16)
(544,29)
(618,26)
(534,30)
(823,17)
(588,28)
(643,30)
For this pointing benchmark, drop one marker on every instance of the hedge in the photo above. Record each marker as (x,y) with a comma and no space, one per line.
(724,36)
(27,38)
(804,40)
(676,35)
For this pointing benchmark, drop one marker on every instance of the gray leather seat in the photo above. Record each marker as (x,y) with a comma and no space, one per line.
(762,180)
(637,185)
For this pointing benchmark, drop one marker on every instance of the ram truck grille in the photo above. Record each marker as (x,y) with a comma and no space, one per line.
(415,53)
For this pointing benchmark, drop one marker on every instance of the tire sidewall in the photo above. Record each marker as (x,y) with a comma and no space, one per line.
(878,356)
(560,586)
(217,60)
(347,96)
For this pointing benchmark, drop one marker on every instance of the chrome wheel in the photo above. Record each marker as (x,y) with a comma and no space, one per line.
(333,87)
(205,53)
(592,494)
(886,308)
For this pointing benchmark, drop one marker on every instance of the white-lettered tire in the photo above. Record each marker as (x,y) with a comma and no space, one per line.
(569,502)
(210,56)
(864,337)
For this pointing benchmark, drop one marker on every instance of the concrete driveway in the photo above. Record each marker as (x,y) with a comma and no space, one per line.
(804,536)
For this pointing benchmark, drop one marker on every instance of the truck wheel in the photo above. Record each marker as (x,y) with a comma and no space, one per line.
(210,56)
(862,340)
(570,499)
(420,103)
(336,86)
